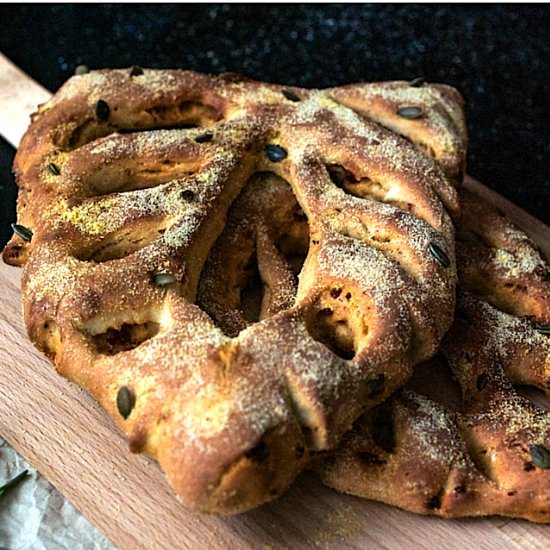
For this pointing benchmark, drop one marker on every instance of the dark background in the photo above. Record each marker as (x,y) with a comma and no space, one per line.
(498,56)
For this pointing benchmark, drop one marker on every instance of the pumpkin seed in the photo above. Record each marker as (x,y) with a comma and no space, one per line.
(136,71)
(102,110)
(438,253)
(125,401)
(20,230)
(410,112)
(81,69)
(163,279)
(543,329)
(275,153)
(290,95)
(540,456)
(417,82)
(54,169)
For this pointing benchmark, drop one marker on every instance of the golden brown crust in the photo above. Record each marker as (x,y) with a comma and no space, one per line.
(499,262)
(489,451)
(434,120)
(125,220)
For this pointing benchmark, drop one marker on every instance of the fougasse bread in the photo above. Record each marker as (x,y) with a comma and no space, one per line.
(237,270)
(483,447)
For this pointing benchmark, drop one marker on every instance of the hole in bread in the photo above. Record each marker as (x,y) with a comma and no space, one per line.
(122,243)
(252,292)
(364,187)
(15,254)
(48,338)
(534,395)
(258,454)
(187,114)
(292,231)
(251,271)
(330,321)
(434,502)
(130,176)
(370,459)
(128,336)
(478,453)
(435,380)
(112,333)
(230,287)
(382,428)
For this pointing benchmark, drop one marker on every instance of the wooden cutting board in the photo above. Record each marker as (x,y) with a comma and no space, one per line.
(59,429)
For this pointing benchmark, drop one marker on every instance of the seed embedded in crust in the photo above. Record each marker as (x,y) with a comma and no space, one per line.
(410,112)
(102,110)
(540,456)
(81,69)
(125,401)
(21,231)
(275,153)
(54,169)
(417,82)
(136,71)
(543,329)
(163,279)
(290,95)
(439,254)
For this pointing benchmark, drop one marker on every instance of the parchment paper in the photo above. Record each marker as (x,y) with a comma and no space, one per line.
(35,516)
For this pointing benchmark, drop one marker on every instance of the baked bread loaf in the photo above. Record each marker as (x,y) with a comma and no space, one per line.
(235,270)
(482,447)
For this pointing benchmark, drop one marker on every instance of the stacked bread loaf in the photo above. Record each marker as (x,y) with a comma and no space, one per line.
(246,275)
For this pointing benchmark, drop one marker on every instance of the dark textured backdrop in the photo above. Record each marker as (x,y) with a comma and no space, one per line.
(497,56)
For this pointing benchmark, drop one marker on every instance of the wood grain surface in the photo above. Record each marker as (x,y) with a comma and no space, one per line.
(59,429)
(19,96)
